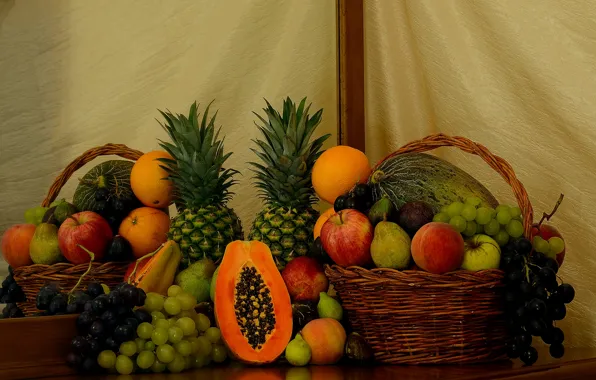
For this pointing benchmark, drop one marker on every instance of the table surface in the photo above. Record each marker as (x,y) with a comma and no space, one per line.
(577,364)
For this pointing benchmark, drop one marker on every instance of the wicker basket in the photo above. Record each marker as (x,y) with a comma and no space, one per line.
(416,317)
(31,278)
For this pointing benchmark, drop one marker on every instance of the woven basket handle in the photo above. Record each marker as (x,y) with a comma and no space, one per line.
(104,150)
(497,163)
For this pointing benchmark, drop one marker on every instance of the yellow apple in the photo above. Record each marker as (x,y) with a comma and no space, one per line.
(481,252)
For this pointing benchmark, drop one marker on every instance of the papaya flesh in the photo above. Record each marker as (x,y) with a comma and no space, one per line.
(156,273)
(423,177)
(252,304)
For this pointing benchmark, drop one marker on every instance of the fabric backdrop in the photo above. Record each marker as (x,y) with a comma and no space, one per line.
(79,74)
(516,76)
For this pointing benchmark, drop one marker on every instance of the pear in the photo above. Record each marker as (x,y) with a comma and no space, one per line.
(298,352)
(35,215)
(196,279)
(390,247)
(44,248)
(328,307)
(383,209)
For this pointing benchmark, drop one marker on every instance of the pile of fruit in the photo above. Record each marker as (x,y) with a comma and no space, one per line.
(269,295)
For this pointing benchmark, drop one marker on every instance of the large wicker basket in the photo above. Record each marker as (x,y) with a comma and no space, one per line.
(31,278)
(416,317)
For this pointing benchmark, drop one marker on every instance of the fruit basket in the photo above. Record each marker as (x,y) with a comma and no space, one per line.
(32,278)
(417,317)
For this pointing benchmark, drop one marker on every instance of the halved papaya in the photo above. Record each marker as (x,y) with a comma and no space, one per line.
(252,304)
(156,273)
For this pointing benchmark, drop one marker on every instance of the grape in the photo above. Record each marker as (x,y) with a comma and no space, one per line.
(79,344)
(156,315)
(142,315)
(552,264)
(94,289)
(536,327)
(557,245)
(529,356)
(149,345)
(177,365)
(471,228)
(202,322)
(106,359)
(513,350)
(187,313)
(474,201)
(145,359)
(503,217)
(174,290)
(515,228)
(172,321)
(97,329)
(124,365)
(89,365)
(172,305)
(501,208)
(556,351)
(140,344)
(537,307)
(526,289)
(204,346)
(459,223)
(213,334)
(162,323)
(111,344)
(165,353)
(122,333)
(183,347)
(441,217)
(515,212)
(557,312)
(187,325)
(483,215)
(547,276)
(455,209)
(479,228)
(469,212)
(187,300)
(154,302)
(492,227)
(158,367)
(502,237)
(540,245)
(128,348)
(175,334)
(159,336)
(523,246)
(74,360)
(524,340)
(540,293)
(219,353)
(144,330)
(567,293)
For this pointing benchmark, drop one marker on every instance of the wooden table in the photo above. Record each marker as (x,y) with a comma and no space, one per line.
(577,364)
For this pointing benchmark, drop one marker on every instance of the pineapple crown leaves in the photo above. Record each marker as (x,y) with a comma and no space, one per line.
(287,154)
(197,158)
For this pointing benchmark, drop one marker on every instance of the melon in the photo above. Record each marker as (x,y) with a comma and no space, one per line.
(106,190)
(423,177)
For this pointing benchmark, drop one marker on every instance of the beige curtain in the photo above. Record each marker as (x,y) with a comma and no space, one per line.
(78,74)
(516,76)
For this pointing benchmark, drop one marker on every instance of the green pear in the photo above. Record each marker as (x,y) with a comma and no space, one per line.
(35,215)
(328,307)
(196,279)
(212,286)
(44,248)
(390,247)
(298,352)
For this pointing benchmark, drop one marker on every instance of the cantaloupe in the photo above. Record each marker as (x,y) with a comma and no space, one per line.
(423,177)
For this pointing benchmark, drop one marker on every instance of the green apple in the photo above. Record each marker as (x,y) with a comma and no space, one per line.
(481,252)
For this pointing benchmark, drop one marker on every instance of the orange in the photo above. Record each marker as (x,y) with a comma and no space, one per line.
(145,228)
(147,180)
(337,170)
(322,219)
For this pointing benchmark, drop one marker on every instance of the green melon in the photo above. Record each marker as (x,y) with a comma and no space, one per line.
(113,176)
(423,177)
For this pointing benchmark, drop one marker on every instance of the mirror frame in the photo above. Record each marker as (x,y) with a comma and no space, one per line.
(350,63)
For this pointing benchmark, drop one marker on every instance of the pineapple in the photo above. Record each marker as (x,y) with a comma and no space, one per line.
(204,224)
(284,180)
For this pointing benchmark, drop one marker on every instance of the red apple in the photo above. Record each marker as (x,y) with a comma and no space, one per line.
(305,279)
(346,237)
(87,229)
(15,245)
(547,231)
(438,248)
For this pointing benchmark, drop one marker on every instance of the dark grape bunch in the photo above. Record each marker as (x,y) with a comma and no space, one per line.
(534,301)
(114,208)
(10,294)
(105,323)
(52,301)
(359,198)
